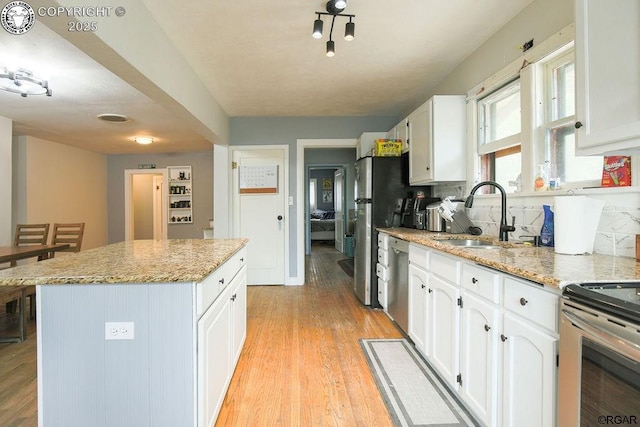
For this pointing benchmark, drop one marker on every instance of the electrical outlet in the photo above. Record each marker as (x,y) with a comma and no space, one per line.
(118,330)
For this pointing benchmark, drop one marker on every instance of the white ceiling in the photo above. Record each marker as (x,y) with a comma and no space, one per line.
(257,58)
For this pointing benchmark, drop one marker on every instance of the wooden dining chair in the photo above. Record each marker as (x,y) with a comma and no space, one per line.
(70,234)
(25,235)
(30,234)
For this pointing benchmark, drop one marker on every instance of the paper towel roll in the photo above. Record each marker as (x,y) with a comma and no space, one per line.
(576,220)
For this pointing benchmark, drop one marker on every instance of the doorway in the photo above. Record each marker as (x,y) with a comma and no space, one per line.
(145,204)
(303,145)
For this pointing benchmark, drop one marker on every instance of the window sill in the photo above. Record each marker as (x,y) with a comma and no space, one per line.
(566,192)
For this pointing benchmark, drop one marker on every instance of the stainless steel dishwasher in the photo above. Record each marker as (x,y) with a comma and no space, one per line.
(398,288)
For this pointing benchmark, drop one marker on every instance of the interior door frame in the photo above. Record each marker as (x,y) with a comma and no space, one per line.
(128,199)
(234,216)
(307,219)
(301,145)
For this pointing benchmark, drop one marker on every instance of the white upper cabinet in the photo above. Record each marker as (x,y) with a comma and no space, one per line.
(607,76)
(436,138)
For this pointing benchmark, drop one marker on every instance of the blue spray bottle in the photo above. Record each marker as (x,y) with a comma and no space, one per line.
(546,233)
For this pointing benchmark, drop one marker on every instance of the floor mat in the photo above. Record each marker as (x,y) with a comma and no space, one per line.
(412,393)
(347,266)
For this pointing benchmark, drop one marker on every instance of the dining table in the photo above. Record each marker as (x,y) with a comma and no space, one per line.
(16,253)
(9,254)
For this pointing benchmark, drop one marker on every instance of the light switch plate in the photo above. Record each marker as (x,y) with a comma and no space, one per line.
(118,330)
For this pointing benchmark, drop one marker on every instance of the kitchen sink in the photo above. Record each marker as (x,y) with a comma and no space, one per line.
(470,243)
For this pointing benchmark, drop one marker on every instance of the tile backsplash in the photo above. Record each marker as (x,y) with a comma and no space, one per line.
(618,226)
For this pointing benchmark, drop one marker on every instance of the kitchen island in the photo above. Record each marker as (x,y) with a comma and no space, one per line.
(138,333)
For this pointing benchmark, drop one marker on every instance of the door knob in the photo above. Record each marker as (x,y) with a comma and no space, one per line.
(279,217)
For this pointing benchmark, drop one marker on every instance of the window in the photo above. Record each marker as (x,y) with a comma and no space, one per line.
(558,124)
(499,124)
(525,116)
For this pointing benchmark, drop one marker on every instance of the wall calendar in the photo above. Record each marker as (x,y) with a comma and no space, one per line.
(261,179)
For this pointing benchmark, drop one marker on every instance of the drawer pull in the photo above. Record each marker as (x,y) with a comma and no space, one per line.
(233,297)
(474,280)
(221,281)
(430,290)
(487,328)
(423,286)
(523,301)
(241,259)
(503,338)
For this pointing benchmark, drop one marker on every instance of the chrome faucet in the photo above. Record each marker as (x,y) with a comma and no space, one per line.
(504,228)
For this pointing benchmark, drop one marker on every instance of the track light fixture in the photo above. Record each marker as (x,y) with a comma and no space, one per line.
(334,9)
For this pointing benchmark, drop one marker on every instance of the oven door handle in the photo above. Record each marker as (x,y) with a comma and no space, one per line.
(605,336)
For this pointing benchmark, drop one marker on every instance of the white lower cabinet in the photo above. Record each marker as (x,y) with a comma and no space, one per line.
(221,335)
(443,325)
(214,360)
(491,337)
(479,356)
(529,374)
(418,298)
(508,366)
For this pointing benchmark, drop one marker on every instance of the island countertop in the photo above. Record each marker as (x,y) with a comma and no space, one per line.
(538,264)
(135,261)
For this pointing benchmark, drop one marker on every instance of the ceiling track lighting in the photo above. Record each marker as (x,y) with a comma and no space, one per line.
(23,82)
(334,9)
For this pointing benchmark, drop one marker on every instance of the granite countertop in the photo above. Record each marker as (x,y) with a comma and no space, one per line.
(538,264)
(136,261)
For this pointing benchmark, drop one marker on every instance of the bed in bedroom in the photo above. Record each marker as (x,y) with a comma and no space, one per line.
(323,225)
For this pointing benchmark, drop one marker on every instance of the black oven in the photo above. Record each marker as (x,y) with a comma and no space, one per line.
(599,365)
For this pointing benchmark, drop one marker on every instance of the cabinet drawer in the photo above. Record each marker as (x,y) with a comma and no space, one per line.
(208,290)
(383,240)
(382,292)
(237,262)
(445,267)
(383,257)
(483,282)
(419,255)
(382,271)
(534,304)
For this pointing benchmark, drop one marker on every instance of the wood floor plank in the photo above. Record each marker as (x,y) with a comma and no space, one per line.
(323,378)
(301,364)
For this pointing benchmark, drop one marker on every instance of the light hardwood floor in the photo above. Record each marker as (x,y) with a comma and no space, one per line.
(301,364)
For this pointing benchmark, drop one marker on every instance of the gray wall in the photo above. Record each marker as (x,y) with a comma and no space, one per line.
(538,21)
(202,182)
(286,131)
(320,175)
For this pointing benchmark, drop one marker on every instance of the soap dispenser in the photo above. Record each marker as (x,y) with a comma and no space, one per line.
(540,183)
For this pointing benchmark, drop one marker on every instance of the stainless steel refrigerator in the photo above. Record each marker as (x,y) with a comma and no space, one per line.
(380,183)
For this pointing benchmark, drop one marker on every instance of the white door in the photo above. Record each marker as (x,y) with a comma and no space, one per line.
(259,212)
(338,179)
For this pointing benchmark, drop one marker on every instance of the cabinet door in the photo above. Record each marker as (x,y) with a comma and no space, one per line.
(214,359)
(480,330)
(420,158)
(529,374)
(418,279)
(239,313)
(607,75)
(444,316)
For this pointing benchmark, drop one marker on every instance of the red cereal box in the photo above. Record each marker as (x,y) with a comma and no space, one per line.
(616,171)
